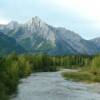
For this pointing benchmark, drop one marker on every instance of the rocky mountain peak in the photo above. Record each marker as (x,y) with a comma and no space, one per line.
(35,21)
(37,36)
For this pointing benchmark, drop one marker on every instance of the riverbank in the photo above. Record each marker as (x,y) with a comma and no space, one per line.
(15,67)
(89,73)
(82,76)
(52,86)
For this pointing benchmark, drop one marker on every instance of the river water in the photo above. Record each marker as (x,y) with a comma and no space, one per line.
(52,86)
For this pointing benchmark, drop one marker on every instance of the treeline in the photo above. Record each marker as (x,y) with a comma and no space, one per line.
(90,73)
(14,67)
(94,67)
(72,61)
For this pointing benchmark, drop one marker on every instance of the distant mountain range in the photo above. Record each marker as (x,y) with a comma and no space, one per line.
(35,36)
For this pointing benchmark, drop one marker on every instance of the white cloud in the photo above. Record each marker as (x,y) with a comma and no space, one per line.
(86,9)
(3,20)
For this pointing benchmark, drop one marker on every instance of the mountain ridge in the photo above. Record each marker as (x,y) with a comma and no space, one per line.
(9,45)
(37,36)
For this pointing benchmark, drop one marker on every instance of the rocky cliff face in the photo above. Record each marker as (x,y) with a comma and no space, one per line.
(38,37)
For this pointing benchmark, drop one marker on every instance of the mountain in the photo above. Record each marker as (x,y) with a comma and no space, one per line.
(37,36)
(9,45)
(96,41)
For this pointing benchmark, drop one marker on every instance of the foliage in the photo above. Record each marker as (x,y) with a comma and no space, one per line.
(91,73)
(81,76)
(13,67)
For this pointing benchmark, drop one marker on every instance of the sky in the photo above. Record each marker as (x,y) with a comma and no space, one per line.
(80,16)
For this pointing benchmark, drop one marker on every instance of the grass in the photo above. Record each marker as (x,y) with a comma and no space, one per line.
(83,76)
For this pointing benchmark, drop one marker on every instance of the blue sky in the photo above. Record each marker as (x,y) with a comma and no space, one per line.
(81,16)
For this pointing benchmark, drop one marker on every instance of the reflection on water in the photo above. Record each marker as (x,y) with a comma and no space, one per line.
(51,86)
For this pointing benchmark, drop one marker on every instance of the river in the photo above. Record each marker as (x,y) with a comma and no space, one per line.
(52,86)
